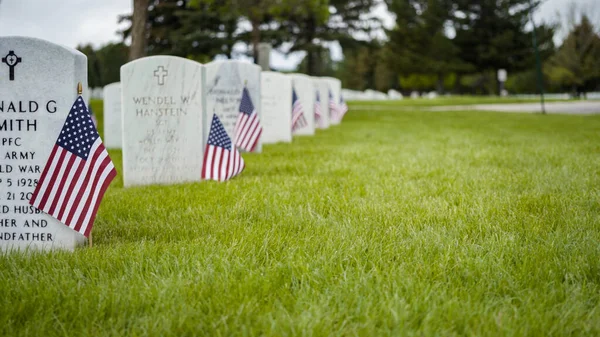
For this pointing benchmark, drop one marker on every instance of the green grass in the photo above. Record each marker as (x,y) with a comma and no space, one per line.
(404,224)
(451,100)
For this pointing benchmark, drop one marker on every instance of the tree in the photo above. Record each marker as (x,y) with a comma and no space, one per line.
(94,66)
(138,29)
(419,42)
(492,34)
(577,62)
(110,59)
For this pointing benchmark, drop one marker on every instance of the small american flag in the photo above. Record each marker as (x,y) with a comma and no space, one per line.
(77,173)
(247,127)
(318,110)
(333,108)
(343,107)
(298,120)
(221,160)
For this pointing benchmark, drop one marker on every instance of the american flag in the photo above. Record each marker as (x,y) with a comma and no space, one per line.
(221,160)
(318,110)
(247,127)
(333,108)
(77,173)
(298,120)
(343,107)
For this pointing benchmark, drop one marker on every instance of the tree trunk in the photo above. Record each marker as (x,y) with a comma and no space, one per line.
(440,84)
(255,38)
(138,29)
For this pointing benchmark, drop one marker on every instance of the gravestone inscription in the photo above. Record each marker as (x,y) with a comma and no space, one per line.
(38,82)
(163,120)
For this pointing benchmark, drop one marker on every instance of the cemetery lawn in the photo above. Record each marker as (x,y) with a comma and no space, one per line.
(453,100)
(393,223)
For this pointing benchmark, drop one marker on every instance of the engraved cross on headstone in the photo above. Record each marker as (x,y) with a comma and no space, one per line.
(11,61)
(160,73)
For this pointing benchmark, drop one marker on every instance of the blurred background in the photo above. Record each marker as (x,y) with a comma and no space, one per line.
(446,46)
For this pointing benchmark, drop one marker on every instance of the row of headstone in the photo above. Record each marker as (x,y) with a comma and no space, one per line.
(159,114)
(224,83)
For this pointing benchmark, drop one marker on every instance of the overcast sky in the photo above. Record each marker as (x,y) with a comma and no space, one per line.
(72,22)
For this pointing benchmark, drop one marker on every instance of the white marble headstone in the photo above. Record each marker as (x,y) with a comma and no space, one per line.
(305,89)
(163,120)
(322,87)
(225,81)
(336,88)
(276,100)
(38,82)
(112,116)
(395,95)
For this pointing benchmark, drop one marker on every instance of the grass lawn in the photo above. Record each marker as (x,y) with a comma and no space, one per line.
(393,223)
(452,100)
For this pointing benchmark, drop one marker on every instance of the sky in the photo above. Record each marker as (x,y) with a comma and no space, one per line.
(73,22)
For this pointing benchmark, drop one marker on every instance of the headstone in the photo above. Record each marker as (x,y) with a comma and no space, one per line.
(414,95)
(395,95)
(375,95)
(163,120)
(264,56)
(38,82)
(305,90)
(112,116)
(276,100)
(322,87)
(432,95)
(335,86)
(225,82)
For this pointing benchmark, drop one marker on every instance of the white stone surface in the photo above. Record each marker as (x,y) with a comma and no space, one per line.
(375,95)
(395,95)
(112,116)
(33,108)
(305,90)
(322,87)
(414,95)
(224,84)
(276,100)
(336,89)
(163,120)
(432,95)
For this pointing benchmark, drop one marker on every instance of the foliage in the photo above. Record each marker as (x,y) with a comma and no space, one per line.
(576,64)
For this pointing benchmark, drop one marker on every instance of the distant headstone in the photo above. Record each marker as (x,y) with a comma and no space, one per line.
(335,86)
(395,95)
(375,95)
(112,116)
(276,102)
(264,56)
(38,82)
(225,81)
(414,95)
(305,90)
(322,87)
(163,120)
(432,95)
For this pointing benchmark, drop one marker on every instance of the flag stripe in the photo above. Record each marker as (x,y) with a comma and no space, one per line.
(66,206)
(42,184)
(111,175)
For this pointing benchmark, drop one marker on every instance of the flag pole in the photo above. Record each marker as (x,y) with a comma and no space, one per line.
(538,62)
(79,92)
